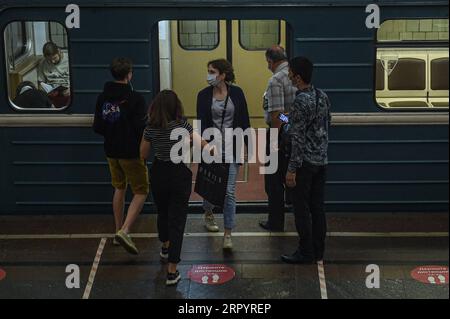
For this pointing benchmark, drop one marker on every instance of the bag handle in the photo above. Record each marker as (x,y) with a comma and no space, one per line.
(225,108)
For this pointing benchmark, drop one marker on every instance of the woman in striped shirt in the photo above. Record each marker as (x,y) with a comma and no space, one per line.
(171,179)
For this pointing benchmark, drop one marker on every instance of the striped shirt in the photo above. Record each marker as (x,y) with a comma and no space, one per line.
(160,138)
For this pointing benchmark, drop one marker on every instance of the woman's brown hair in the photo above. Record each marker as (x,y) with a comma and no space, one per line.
(224,67)
(165,108)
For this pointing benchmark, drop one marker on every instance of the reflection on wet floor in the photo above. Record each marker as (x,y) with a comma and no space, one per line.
(36,268)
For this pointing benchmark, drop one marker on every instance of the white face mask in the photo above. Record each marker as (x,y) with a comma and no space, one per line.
(213,79)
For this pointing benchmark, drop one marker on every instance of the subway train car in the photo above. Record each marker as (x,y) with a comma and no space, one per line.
(389,89)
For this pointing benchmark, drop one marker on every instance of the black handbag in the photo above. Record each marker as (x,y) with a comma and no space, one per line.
(211,182)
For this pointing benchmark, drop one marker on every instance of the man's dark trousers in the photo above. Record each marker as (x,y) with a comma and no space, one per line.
(308,200)
(275,190)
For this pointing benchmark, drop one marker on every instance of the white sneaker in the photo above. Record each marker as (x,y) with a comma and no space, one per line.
(173,279)
(227,243)
(210,223)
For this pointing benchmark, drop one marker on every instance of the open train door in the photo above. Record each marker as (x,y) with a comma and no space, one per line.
(185,47)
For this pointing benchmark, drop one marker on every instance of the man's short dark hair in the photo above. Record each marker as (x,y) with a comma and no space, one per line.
(120,68)
(50,49)
(276,54)
(302,66)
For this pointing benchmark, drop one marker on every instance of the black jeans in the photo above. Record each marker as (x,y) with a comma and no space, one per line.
(275,190)
(171,186)
(308,200)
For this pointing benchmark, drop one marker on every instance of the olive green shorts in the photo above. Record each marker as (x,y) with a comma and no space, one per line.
(129,171)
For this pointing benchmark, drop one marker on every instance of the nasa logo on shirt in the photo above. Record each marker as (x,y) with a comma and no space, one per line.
(111,112)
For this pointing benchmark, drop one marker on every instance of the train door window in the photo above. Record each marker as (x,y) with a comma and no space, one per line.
(37,59)
(198,34)
(412,64)
(259,34)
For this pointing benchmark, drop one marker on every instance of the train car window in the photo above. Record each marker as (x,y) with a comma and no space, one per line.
(412,64)
(198,34)
(17,40)
(259,34)
(39,77)
(439,83)
(439,74)
(58,35)
(380,76)
(413,30)
(408,75)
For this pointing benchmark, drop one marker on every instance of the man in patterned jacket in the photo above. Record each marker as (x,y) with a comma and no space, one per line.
(309,122)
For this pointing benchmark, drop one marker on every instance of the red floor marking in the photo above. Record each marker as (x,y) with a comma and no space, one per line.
(2,274)
(211,274)
(433,275)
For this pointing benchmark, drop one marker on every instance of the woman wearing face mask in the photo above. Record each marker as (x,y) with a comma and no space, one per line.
(222,106)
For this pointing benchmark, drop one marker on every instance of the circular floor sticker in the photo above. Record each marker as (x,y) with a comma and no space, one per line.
(211,274)
(433,275)
(2,274)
